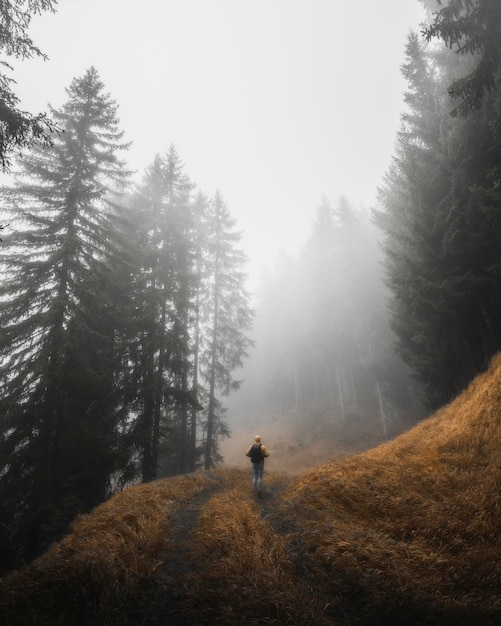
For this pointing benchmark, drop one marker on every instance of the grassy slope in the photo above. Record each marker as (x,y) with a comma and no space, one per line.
(407,533)
(300,442)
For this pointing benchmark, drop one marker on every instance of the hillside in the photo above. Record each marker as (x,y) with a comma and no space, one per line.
(408,532)
(301,441)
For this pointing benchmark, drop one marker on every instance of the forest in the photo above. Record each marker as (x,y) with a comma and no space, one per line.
(125,318)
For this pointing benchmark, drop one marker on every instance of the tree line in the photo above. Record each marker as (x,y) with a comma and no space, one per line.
(440,201)
(322,338)
(124,314)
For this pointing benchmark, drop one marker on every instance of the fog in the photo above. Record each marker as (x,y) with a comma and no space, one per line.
(323,352)
(276,104)
(290,110)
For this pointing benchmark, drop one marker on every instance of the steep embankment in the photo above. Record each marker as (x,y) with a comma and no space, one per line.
(406,533)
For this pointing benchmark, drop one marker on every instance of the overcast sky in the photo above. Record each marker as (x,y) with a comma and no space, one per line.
(276,103)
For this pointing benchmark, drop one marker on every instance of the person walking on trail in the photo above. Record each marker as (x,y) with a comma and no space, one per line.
(257,453)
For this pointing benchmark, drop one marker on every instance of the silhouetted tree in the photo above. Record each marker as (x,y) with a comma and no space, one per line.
(61,322)
(414,223)
(165,285)
(441,202)
(19,129)
(191,314)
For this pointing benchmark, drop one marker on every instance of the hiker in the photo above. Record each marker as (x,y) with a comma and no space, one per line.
(257,452)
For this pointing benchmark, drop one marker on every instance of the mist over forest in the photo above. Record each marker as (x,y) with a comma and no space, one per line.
(130,344)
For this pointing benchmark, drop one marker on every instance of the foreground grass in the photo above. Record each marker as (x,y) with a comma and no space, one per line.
(407,533)
(91,575)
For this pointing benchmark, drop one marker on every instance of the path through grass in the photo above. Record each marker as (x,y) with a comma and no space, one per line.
(406,533)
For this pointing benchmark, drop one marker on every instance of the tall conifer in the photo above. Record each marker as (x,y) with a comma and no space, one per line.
(60,322)
(227,317)
(163,297)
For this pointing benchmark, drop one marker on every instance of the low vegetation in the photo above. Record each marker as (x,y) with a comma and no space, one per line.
(408,533)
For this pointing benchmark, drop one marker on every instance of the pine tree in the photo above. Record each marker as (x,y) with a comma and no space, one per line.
(471,28)
(415,222)
(61,322)
(442,233)
(225,319)
(165,286)
(472,31)
(198,392)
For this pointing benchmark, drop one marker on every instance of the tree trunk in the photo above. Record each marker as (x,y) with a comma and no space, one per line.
(147,419)
(340,392)
(212,391)
(159,385)
(194,393)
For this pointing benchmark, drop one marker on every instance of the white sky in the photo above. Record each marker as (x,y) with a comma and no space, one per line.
(273,102)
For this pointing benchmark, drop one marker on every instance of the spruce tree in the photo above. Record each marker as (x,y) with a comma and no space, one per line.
(198,392)
(163,301)
(470,28)
(440,203)
(414,221)
(61,323)
(226,319)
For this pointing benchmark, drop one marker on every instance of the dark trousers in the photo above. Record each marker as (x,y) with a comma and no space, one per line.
(257,476)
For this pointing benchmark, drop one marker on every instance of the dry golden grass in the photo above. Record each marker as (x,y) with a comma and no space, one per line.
(89,576)
(233,543)
(406,533)
(415,521)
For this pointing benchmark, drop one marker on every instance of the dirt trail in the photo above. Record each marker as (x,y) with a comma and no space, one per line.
(294,449)
(158,605)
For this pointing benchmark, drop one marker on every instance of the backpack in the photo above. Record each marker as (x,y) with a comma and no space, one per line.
(256,454)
